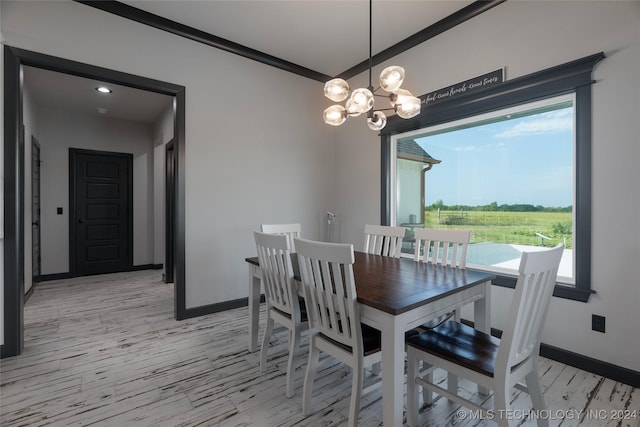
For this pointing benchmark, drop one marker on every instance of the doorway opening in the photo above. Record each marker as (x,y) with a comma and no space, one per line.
(14,188)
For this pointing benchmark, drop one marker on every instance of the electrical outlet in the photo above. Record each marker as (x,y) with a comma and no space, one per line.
(598,323)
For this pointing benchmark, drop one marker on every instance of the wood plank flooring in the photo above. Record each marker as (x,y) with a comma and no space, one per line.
(105,350)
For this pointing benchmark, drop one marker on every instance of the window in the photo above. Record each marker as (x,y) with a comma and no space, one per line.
(508,176)
(537,93)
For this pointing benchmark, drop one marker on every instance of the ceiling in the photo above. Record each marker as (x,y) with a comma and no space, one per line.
(326,36)
(63,91)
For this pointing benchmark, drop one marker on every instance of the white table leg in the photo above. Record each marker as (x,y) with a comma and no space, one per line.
(254,307)
(482,317)
(482,310)
(392,371)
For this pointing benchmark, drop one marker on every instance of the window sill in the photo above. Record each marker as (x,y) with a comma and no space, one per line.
(560,291)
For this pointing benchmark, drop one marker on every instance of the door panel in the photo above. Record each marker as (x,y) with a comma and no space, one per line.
(101,212)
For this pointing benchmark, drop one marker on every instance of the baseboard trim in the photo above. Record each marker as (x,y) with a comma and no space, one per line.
(589,364)
(56,276)
(29,293)
(215,308)
(218,307)
(586,363)
(147,267)
(67,275)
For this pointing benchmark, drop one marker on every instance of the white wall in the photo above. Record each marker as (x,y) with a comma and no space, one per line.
(409,185)
(256,148)
(528,36)
(60,130)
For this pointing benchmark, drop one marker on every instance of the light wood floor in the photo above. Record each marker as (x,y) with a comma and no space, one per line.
(105,350)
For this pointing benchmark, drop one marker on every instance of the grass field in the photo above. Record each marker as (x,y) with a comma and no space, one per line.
(506,227)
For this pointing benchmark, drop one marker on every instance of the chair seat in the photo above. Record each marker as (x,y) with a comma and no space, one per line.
(459,344)
(411,332)
(371,340)
(304,317)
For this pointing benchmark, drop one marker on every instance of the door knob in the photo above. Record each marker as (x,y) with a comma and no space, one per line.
(80,221)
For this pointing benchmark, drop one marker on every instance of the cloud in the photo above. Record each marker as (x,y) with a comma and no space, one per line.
(483,147)
(547,123)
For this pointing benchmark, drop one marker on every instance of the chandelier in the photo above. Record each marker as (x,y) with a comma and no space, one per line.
(361,100)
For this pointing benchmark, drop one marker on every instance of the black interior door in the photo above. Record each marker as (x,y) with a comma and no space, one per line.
(101,213)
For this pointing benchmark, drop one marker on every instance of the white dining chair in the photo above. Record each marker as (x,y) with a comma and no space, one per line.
(445,247)
(290,230)
(383,240)
(283,304)
(497,364)
(326,271)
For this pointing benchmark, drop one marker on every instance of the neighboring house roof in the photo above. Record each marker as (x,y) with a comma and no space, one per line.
(408,149)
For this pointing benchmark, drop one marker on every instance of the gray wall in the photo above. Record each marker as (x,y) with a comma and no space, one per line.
(162,134)
(60,130)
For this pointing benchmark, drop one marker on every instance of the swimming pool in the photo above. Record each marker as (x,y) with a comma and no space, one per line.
(488,253)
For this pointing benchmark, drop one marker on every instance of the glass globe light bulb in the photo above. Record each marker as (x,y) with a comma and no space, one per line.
(378,121)
(391,78)
(398,96)
(336,90)
(362,100)
(351,110)
(335,115)
(409,107)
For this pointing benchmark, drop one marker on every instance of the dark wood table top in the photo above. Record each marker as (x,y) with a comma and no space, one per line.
(397,285)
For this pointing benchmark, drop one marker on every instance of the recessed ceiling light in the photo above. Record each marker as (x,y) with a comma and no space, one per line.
(103,89)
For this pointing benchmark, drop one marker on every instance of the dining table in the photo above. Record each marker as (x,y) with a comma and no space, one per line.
(395,296)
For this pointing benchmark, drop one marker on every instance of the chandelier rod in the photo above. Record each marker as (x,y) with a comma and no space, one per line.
(370,112)
(370,42)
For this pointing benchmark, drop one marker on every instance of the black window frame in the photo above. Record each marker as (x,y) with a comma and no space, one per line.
(571,77)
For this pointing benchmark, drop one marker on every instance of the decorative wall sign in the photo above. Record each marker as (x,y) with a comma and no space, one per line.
(462,88)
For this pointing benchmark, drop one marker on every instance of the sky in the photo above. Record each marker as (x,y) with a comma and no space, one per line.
(526,160)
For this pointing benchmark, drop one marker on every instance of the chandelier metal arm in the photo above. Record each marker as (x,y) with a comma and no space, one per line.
(361,100)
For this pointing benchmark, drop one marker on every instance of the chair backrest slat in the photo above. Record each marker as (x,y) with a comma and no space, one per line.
(290,230)
(274,257)
(383,240)
(326,270)
(445,247)
(532,296)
